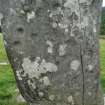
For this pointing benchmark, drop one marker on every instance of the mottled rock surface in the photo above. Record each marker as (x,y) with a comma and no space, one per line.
(53,48)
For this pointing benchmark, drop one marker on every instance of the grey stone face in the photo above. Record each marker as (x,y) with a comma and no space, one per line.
(52,46)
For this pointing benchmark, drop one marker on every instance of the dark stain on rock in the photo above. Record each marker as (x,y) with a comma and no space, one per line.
(16,42)
(20,30)
(34,35)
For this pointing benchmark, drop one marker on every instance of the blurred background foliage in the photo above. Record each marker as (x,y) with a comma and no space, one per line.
(103,22)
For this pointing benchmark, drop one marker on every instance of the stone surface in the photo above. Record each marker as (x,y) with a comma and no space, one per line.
(20,99)
(52,46)
(104,100)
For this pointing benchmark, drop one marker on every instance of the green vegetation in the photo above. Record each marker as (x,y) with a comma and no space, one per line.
(8,84)
(102,59)
(3,57)
(7,81)
(103,22)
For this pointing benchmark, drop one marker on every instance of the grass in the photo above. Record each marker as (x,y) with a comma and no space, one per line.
(3,57)
(102,59)
(7,80)
(8,84)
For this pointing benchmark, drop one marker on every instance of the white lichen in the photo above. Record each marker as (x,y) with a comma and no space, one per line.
(89,93)
(54,25)
(5,43)
(48,42)
(12,11)
(85,22)
(30,16)
(69,4)
(18,73)
(94,27)
(51,97)
(50,50)
(72,35)
(90,67)
(70,100)
(82,1)
(66,30)
(38,67)
(15,59)
(50,46)
(48,10)
(62,49)
(50,15)
(63,26)
(22,12)
(86,2)
(75,65)
(45,80)
(73,5)
(33,85)
(21,52)
(41,94)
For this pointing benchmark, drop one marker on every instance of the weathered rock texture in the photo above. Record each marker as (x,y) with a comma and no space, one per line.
(53,48)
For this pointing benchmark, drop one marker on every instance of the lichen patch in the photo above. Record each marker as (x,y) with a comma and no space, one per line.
(19,75)
(33,85)
(54,25)
(45,80)
(22,12)
(90,67)
(89,93)
(12,11)
(87,2)
(62,49)
(41,94)
(51,97)
(69,4)
(75,65)
(50,46)
(62,25)
(30,15)
(70,100)
(85,22)
(35,69)
(5,43)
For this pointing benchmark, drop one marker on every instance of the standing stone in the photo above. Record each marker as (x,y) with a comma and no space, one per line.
(53,48)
